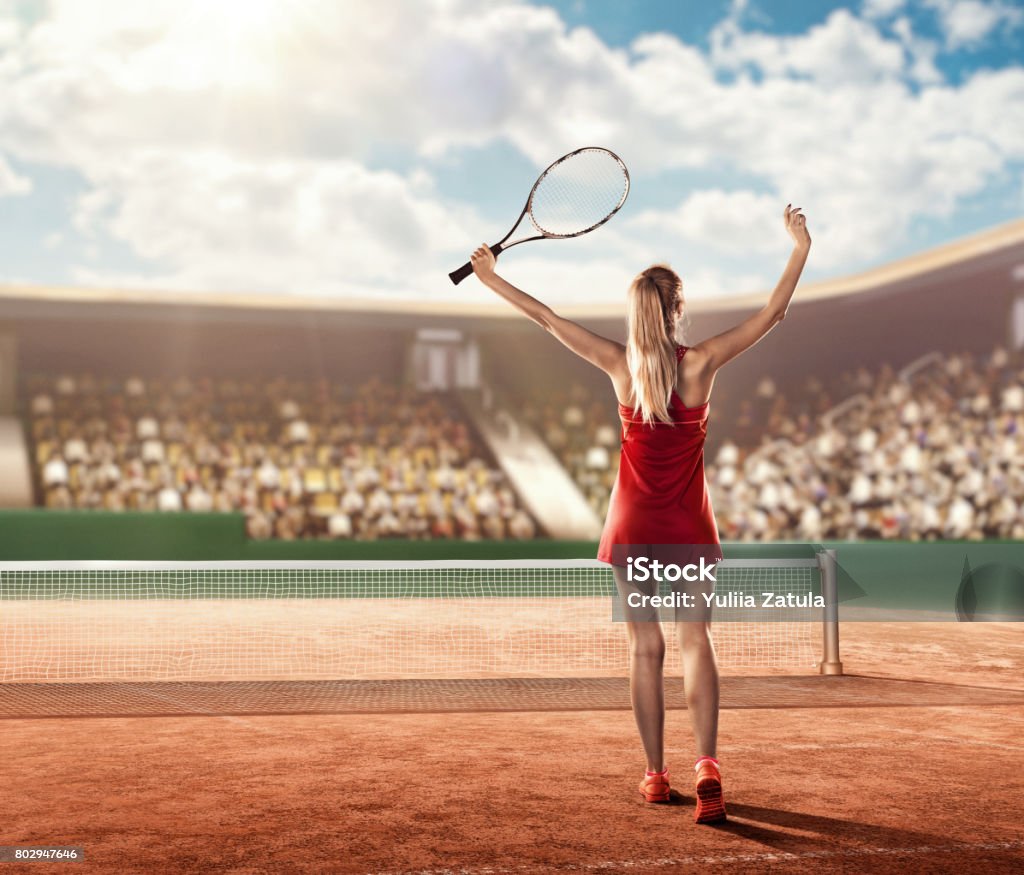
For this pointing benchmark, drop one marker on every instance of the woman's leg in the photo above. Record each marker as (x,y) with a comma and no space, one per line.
(646,678)
(700,682)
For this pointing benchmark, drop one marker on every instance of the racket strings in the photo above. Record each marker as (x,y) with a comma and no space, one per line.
(579,193)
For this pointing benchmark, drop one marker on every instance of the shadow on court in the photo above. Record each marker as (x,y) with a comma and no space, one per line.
(774,828)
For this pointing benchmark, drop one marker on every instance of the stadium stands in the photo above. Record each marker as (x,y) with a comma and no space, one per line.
(933,451)
(930,452)
(301,459)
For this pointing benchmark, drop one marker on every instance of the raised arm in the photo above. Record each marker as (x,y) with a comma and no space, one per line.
(724,347)
(601,352)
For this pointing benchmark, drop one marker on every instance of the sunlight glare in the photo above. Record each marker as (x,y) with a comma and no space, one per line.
(235,43)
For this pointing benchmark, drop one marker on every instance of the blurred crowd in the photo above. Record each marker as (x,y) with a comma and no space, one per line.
(937,453)
(300,459)
(933,454)
(583,432)
(582,426)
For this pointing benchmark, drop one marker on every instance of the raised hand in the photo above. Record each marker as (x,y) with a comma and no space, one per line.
(796,226)
(482,260)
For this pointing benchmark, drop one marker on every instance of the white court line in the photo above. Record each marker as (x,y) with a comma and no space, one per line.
(711,859)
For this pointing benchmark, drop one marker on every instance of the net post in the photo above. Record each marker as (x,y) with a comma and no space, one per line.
(830,664)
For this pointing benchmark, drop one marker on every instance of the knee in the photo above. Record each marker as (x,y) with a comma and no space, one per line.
(649,648)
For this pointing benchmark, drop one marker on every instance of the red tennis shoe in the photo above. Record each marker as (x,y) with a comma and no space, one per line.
(654,787)
(710,804)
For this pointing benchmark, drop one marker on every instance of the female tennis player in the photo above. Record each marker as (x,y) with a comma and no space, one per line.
(661,494)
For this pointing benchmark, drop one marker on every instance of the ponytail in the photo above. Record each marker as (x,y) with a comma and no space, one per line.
(650,346)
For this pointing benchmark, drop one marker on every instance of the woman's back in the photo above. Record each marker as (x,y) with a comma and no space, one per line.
(661,493)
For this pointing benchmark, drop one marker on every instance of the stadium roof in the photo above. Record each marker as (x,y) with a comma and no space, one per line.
(44,301)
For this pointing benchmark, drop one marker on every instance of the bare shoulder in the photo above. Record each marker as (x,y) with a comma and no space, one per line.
(696,376)
(696,361)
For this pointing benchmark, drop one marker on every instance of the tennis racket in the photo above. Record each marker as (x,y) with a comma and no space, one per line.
(578,193)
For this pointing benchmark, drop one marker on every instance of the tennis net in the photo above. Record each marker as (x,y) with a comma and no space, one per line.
(109,621)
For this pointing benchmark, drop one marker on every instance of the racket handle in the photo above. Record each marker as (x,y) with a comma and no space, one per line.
(457,276)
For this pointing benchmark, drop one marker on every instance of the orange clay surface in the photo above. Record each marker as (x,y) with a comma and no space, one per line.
(926,777)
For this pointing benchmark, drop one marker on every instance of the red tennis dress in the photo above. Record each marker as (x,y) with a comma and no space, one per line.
(661,494)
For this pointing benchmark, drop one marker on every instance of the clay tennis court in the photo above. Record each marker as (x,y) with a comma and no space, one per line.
(909,762)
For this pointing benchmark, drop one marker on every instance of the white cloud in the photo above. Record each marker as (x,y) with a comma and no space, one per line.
(881,8)
(843,49)
(12,183)
(209,220)
(922,52)
(709,282)
(255,161)
(969,22)
(721,220)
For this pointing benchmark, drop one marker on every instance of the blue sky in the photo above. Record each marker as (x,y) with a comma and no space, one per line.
(361,149)
(618,24)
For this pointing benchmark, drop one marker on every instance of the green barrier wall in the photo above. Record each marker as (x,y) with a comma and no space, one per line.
(50,535)
(54,535)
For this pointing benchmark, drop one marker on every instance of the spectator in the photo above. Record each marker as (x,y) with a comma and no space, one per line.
(521,527)
(268,476)
(76,450)
(42,406)
(168,499)
(147,427)
(198,499)
(339,525)
(55,472)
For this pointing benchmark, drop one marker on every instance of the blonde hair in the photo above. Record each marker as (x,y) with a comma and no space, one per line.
(654,299)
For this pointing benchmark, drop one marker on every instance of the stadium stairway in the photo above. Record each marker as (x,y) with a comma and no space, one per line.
(15,481)
(545,487)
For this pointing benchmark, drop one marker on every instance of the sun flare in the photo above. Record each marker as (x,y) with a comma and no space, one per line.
(232,43)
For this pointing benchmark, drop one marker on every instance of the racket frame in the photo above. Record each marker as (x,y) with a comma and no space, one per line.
(457,276)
